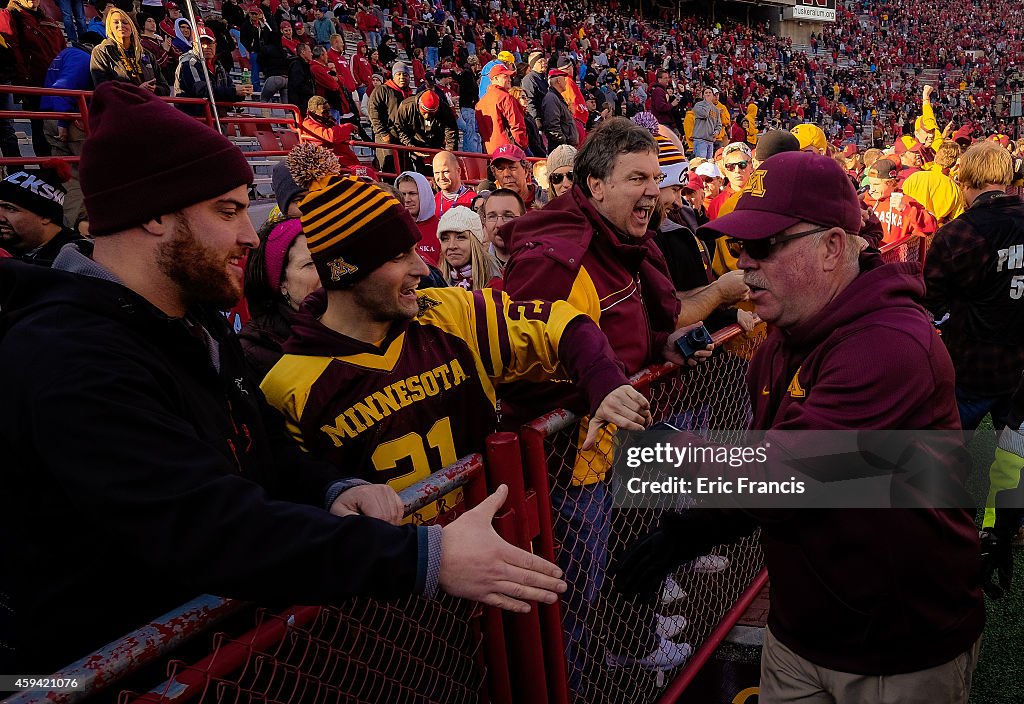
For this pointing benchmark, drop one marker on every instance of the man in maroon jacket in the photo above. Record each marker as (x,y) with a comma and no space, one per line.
(592,247)
(864,601)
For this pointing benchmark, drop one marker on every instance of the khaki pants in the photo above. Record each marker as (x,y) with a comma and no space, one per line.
(786,677)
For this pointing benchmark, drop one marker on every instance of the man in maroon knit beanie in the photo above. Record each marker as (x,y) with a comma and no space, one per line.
(867,604)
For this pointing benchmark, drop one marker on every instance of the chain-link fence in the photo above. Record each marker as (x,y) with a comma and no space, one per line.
(909,249)
(409,650)
(622,649)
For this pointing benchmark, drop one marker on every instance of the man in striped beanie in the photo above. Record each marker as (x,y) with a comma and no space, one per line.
(688,257)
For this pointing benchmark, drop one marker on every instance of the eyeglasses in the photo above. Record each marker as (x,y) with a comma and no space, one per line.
(502,217)
(760,249)
(556,179)
(707,179)
(737,165)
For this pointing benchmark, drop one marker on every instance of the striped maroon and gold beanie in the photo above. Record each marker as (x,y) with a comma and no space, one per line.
(351,226)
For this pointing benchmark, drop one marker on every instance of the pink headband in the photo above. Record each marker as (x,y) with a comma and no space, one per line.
(275,253)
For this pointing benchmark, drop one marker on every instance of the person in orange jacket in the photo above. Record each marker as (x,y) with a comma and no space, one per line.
(499,117)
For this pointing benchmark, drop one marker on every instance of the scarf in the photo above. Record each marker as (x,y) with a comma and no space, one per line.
(462,276)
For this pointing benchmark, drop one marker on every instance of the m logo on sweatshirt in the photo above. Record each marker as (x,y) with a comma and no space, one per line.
(795,390)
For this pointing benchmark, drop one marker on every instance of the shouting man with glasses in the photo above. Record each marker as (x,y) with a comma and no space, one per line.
(738,162)
(864,601)
(593,248)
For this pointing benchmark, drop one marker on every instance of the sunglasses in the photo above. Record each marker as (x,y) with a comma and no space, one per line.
(707,179)
(737,165)
(556,179)
(760,249)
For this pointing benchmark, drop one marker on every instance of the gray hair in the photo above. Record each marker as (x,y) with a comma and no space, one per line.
(603,146)
(854,245)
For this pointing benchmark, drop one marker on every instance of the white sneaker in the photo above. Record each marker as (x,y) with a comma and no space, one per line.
(668,627)
(666,656)
(707,564)
(671,592)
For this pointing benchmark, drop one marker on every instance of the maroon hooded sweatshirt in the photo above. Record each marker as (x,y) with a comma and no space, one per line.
(867,591)
(569,252)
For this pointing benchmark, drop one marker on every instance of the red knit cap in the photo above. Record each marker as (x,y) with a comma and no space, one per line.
(144,158)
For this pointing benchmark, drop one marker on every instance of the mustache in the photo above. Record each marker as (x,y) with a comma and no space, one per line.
(755,281)
(646,202)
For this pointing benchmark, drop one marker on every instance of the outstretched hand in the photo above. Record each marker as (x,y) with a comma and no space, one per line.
(477,564)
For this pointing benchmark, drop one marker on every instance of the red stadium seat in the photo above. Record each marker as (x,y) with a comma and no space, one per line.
(289,139)
(268,141)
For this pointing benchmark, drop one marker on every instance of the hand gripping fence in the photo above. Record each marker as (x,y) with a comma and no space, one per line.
(603,632)
(582,649)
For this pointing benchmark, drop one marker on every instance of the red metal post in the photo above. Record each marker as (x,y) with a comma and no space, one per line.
(499,680)
(535,464)
(504,466)
(705,651)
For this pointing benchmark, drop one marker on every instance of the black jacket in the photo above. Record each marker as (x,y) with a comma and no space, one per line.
(557,122)
(412,128)
(301,85)
(46,253)
(154,475)
(469,88)
(535,86)
(975,272)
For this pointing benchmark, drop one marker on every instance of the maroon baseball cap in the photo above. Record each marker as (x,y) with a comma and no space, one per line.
(508,152)
(789,188)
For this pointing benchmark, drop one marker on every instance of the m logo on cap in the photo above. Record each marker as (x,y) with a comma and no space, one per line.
(341,268)
(755,186)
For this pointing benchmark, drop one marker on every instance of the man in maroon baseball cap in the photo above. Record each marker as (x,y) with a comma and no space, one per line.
(850,347)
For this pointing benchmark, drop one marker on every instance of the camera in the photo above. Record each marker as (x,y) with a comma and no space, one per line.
(696,339)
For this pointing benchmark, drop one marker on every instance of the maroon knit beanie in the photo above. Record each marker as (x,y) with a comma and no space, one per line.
(143,158)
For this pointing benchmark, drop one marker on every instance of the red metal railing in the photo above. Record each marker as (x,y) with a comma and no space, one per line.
(275,134)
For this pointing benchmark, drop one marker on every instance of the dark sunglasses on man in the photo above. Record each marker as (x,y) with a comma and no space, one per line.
(760,249)
(737,165)
(556,179)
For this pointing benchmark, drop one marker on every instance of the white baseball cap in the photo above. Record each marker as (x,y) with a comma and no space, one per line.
(709,169)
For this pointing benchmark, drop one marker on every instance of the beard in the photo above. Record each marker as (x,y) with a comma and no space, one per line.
(200,272)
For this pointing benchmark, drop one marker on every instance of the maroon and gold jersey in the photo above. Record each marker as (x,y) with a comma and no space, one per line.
(426,396)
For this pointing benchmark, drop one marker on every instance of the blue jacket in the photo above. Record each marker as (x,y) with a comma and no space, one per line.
(485,77)
(96,25)
(68,71)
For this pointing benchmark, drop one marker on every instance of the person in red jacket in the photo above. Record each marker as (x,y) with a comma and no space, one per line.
(361,69)
(900,215)
(34,40)
(319,127)
(500,118)
(864,600)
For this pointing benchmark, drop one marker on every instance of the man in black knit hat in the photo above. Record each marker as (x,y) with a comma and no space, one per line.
(32,216)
